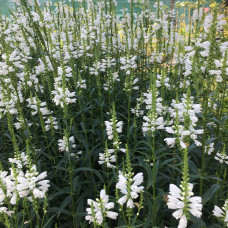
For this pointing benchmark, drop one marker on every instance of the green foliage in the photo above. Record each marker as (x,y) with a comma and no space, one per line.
(64,72)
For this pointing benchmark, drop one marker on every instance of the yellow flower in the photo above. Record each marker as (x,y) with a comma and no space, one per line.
(212,5)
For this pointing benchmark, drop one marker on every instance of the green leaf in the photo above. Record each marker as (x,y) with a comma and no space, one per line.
(49,220)
(197,223)
(66,202)
(210,192)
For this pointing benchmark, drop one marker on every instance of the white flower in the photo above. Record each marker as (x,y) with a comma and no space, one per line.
(17,125)
(130,203)
(23,181)
(38,194)
(184,109)
(175,201)
(178,214)
(183,222)
(209,148)
(111,214)
(101,209)
(196,206)
(99,217)
(63,96)
(218,63)
(218,212)
(138,179)
(36,16)
(131,193)
(107,157)
(122,200)
(169,130)
(119,126)
(65,142)
(221,157)
(170,142)
(109,129)
(222,213)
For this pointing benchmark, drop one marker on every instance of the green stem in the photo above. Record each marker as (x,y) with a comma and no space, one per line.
(154,180)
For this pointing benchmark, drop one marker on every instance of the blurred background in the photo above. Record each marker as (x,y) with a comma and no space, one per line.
(5,5)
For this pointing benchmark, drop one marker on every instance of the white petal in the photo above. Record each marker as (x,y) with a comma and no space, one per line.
(130,203)
(122,200)
(183,222)
(138,179)
(112,215)
(177,214)
(218,212)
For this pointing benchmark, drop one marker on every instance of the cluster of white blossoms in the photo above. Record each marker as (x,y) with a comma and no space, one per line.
(184,110)
(8,100)
(108,157)
(114,78)
(202,45)
(113,128)
(163,81)
(102,66)
(97,67)
(137,110)
(185,203)
(37,106)
(222,158)
(149,99)
(221,71)
(67,71)
(181,133)
(109,128)
(99,209)
(209,149)
(222,213)
(153,120)
(62,96)
(151,124)
(66,143)
(128,63)
(129,187)
(183,107)
(22,181)
(81,83)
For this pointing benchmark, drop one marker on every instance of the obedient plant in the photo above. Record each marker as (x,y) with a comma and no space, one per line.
(82,79)
(182,198)
(21,183)
(222,214)
(100,209)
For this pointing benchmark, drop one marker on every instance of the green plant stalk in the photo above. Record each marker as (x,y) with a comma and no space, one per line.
(132,23)
(101,107)
(72,191)
(85,132)
(205,113)
(185,171)
(135,130)
(13,138)
(154,180)
(128,117)
(129,91)
(210,65)
(44,210)
(52,159)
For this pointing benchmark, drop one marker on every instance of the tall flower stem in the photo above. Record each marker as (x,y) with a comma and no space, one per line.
(154,180)
(72,191)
